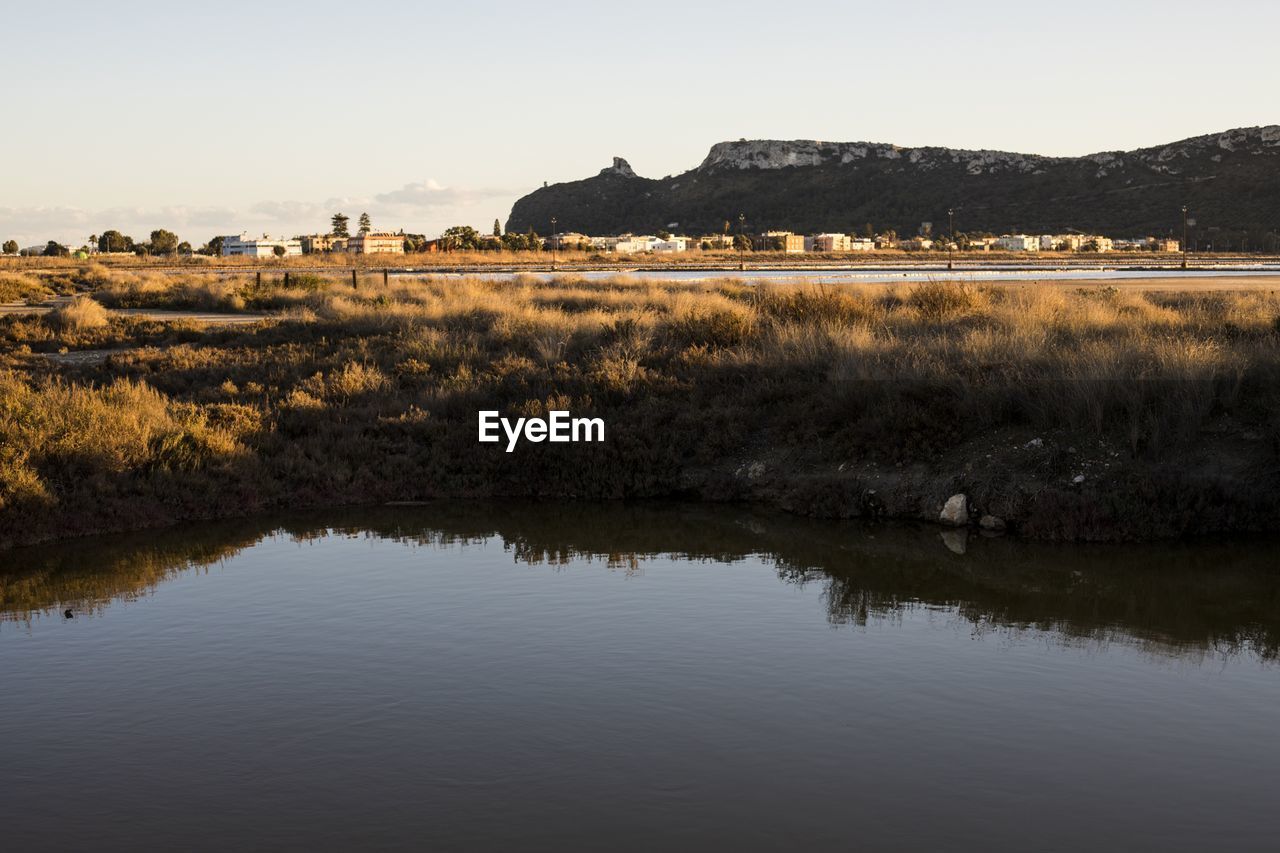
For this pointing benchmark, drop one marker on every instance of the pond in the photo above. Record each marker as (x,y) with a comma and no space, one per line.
(517,676)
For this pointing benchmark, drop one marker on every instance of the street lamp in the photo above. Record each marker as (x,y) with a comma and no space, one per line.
(742,245)
(1184,236)
(951,238)
(554,241)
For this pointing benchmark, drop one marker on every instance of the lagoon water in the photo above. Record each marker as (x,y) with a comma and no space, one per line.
(577,677)
(899,274)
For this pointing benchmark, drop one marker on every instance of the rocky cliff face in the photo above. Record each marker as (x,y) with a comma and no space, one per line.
(1231,180)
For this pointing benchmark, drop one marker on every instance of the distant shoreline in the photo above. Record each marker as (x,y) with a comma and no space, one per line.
(726,262)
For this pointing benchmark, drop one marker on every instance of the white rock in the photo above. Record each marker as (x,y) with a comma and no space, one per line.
(1078,479)
(956,511)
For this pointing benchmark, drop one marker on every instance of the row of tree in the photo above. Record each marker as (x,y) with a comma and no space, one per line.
(340,221)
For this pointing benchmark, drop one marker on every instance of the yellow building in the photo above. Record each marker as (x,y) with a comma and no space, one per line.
(315,244)
(376,244)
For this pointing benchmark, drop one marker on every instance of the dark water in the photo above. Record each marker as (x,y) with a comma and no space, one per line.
(517,677)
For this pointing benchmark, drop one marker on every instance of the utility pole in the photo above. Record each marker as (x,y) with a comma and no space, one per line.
(1184,236)
(742,245)
(951,238)
(554,241)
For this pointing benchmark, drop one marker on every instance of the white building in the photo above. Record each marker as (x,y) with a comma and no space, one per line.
(862,244)
(265,247)
(1018,243)
(629,245)
(830,243)
(673,244)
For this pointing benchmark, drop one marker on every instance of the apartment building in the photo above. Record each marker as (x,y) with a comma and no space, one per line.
(832,243)
(779,241)
(629,244)
(244,246)
(1018,243)
(317,244)
(376,243)
(672,244)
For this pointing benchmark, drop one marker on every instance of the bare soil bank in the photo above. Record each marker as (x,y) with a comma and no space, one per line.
(1093,413)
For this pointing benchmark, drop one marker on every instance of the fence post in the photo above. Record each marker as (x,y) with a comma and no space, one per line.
(259,281)
(384,277)
(354,286)
(286,279)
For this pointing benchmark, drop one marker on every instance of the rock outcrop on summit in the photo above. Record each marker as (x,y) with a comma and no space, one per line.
(1230,180)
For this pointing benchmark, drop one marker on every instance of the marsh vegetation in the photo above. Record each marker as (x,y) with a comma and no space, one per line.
(1088,413)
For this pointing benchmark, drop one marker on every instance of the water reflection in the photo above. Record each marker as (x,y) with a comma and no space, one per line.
(1185,599)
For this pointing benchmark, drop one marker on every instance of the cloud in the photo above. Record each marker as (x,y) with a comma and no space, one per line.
(426,207)
(429,195)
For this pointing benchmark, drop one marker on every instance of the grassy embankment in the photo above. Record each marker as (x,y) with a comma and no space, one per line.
(1071,414)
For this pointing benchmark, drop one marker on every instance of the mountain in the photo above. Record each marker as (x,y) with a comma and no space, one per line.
(1230,181)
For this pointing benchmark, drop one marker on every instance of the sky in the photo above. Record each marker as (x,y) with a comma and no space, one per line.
(218,118)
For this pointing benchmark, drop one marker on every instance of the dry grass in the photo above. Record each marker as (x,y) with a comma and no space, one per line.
(81,314)
(18,287)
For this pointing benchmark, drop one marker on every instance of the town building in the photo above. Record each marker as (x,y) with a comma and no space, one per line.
(318,244)
(862,244)
(265,247)
(672,244)
(376,243)
(1018,243)
(831,243)
(717,242)
(1158,244)
(916,244)
(629,244)
(779,241)
(569,240)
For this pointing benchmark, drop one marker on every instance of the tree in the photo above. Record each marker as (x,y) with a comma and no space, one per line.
(365,224)
(497,228)
(184,248)
(278,251)
(114,241)
(460,237)
(213,247)
(163,242)
(741,242)
(54,249)
(339,222)
(11,247)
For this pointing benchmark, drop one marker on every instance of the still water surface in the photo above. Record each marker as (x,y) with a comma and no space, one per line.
(570,677)
(890,274)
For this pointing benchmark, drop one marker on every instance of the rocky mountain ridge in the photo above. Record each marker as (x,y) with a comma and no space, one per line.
(1231,179)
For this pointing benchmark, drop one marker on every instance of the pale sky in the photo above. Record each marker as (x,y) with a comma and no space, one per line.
(215,118)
